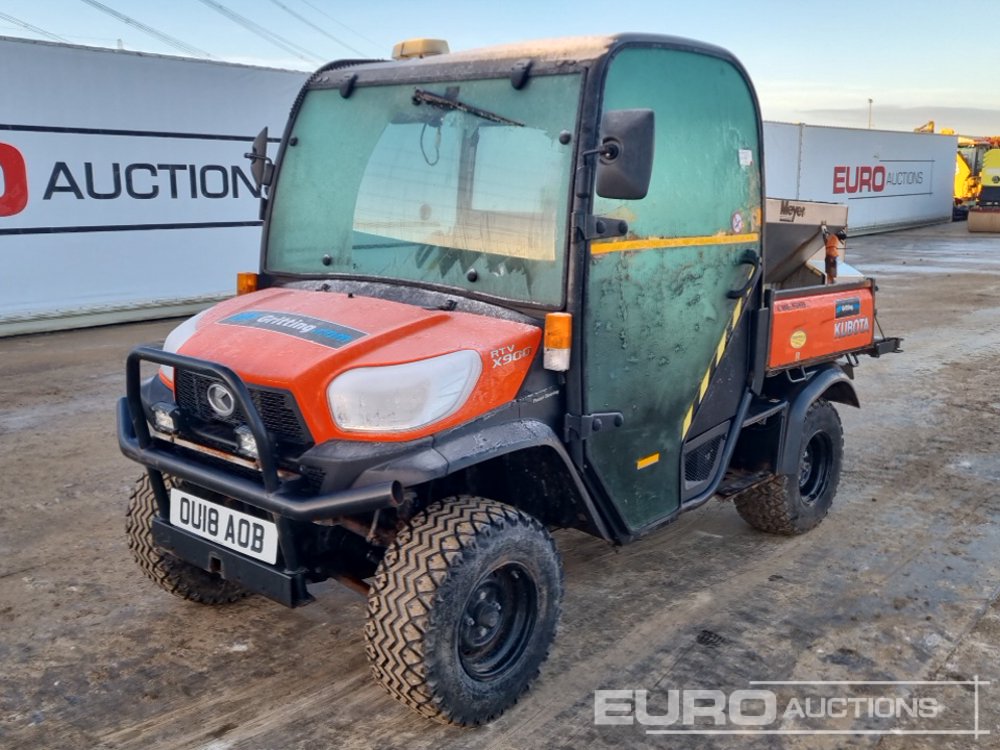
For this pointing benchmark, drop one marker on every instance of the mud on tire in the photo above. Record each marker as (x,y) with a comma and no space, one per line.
(795,504)
(170,573)
(463,610)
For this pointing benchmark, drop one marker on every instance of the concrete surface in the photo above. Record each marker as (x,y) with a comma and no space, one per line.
(899,583)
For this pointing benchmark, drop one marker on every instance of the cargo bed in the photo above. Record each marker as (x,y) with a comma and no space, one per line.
(814,321)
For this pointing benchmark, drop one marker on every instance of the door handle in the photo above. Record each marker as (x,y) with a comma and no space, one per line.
(749,258)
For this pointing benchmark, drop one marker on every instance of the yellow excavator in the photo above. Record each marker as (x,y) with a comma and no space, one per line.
(984,216)
(969,165)
(977,179)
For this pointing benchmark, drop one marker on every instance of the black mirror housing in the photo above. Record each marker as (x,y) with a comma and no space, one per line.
(260,166)
(625,164)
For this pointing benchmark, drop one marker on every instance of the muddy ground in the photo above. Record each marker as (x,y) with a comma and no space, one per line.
(899,583)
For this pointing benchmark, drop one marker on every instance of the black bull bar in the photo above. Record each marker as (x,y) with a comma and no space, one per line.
(275,496)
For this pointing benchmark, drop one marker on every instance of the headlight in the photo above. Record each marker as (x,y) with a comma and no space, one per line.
(398,398)
(176,339)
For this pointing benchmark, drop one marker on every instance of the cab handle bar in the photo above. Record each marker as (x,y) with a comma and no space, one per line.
(749,258)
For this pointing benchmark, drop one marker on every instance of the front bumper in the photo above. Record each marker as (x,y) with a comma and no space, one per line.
(282,498)
(283,586)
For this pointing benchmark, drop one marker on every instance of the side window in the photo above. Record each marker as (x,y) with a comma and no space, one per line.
(705,171)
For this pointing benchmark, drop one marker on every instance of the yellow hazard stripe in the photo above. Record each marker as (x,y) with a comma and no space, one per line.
(613,246)
(687,421)
(719,351)
(736,316)
(704,383)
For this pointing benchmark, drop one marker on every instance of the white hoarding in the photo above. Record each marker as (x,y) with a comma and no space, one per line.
(78,181)
(781,159)
(124,192)
(888,180)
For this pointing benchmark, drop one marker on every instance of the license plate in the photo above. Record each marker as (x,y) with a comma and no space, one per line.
(230,528)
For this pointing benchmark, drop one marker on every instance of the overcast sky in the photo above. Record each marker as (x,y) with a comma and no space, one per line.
(918,60)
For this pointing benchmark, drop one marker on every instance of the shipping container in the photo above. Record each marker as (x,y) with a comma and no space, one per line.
(889,180)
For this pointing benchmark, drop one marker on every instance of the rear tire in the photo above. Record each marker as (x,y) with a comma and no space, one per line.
(168,572)
(792,505)
(463,609)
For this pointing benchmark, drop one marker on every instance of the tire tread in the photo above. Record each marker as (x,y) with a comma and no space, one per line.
(404,590)
(770,506)
(170,573)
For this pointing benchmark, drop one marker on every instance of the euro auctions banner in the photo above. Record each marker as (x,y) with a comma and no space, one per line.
(893,177)
(57,180)
(124,190)
(888,179)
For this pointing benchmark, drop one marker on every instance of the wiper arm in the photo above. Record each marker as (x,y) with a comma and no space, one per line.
(426,97)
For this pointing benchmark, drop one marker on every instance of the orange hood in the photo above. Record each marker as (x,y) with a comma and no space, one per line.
(300,341)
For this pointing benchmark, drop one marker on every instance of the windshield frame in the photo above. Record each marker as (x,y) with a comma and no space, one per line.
(395,74)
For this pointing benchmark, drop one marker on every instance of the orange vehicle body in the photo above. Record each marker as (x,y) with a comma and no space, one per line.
(301,341)
(810,327)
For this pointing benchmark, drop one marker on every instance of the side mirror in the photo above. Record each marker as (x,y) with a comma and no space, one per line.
(625,161)
(261,166)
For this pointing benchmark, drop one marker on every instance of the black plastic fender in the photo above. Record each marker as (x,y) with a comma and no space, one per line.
(453,453)
(831,382)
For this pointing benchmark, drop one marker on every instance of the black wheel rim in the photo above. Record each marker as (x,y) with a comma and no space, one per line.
(814,471)
(497,622)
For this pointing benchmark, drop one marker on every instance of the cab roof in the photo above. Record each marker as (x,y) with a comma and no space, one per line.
(543,54)
(576,48)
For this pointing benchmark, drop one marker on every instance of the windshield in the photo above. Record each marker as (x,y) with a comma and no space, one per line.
(458,184)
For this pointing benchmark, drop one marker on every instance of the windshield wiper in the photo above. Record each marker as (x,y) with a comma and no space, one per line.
(426,97)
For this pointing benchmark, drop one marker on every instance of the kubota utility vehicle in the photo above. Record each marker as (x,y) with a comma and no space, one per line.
(501,292)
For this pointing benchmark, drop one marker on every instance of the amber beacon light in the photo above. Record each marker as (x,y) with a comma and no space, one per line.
(246,282)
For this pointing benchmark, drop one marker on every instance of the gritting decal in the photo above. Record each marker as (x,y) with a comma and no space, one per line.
(848,308)
(303,327)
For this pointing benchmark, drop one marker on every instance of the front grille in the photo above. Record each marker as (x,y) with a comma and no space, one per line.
(277,409)
(700,462)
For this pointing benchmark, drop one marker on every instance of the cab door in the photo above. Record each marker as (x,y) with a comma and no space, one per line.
(664,324)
